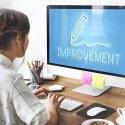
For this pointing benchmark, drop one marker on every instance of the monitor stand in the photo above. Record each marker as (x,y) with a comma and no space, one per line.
(89,90)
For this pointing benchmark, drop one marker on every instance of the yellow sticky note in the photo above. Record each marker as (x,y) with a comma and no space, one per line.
(98,81)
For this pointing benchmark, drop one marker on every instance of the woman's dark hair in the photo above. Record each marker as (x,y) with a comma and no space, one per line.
(12,22)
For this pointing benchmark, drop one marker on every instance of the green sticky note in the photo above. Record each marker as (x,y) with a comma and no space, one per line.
(98,81)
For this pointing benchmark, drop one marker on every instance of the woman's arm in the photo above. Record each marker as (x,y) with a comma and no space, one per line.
(54,102)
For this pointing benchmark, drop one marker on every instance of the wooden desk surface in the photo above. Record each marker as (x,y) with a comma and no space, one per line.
(114,97)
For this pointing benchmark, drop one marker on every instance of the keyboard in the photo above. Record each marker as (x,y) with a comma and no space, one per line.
(67,104)
(70,105)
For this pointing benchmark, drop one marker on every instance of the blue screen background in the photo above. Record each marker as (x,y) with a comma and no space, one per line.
(103,26)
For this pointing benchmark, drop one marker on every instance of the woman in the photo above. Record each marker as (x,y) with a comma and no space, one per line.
(18,106)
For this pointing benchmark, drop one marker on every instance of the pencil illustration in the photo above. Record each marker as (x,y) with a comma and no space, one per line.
(78,28)
(76,33)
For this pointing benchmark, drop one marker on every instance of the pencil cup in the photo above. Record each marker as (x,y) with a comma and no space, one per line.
(35,77)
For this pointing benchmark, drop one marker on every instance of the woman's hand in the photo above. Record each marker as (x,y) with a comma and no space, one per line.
(52,106)
(54,101)
(41,92)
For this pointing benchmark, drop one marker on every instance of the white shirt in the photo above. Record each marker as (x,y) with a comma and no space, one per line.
(18,105)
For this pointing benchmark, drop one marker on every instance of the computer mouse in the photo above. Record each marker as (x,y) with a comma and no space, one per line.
(95,110)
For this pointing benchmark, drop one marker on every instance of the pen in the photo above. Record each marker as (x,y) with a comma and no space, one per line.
(29,65)
(33,64)
(35,76)
(42,63)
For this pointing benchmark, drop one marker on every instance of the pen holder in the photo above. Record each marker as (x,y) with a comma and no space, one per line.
(35,76)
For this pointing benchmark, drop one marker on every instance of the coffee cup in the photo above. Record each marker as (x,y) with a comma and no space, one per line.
(121,120)
(121,111)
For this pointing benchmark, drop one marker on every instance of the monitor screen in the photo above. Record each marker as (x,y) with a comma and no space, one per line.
(90,38)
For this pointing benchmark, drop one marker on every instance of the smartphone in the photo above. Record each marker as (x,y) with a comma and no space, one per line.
(33,86)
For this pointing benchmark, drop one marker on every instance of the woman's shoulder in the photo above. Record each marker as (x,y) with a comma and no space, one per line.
(8,78)
(12,73)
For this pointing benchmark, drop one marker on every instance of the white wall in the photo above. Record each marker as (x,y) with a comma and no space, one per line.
(4,3)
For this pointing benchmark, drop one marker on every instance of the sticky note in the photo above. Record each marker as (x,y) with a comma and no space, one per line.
(86,78)
(98,81)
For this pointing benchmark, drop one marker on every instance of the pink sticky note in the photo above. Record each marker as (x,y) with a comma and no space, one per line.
(86,78)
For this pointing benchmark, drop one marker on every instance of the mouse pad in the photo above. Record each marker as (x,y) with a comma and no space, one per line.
(103,114)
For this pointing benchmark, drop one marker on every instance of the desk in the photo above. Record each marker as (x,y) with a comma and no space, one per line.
(114,97)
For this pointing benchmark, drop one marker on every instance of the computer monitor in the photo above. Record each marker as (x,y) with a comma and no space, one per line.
(87,38)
